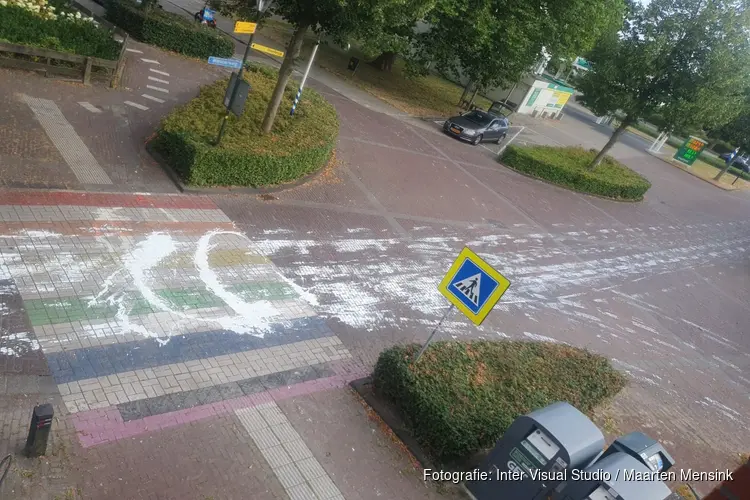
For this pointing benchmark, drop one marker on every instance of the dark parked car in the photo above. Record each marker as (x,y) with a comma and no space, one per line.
(477,126)
(741,162)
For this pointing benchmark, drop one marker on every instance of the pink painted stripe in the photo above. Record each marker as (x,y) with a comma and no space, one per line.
(105,425)
(30,197)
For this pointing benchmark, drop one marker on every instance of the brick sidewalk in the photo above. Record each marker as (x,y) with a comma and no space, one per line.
(176,351)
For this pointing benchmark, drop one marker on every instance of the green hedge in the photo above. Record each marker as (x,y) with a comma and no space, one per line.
(64,35)
(567,166)
(297,146)
(169,31)
(462,396)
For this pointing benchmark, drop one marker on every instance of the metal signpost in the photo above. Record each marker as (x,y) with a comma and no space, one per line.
(304,78)
(262,5)
(471,285)
(690,150)
(353,65)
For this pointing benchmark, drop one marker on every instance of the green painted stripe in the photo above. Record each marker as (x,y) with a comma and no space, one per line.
(65,310)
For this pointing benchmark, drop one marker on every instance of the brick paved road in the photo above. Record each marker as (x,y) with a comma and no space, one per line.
(170,341)
(660,286)
(64,135)
(163,318)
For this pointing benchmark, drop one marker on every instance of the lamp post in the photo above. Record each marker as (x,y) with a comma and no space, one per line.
(261,6)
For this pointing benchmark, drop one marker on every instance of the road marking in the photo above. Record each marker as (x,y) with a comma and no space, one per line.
(287,454)
(134,50)
(136,105)
(511,140)
(62,134)
(150,61)
(158,89)
(90,107)
(152,98)
(158,72)
(154,79)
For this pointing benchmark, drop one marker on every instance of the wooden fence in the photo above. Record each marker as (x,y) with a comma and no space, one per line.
(79,68)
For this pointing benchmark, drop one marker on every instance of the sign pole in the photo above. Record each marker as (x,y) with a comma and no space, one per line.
(236,86)
(429,339)
(304,78)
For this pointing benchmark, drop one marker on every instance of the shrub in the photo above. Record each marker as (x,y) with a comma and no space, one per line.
(462,396)
(721,147)
(169,31)
(568,167)
(297,145)
(59,32)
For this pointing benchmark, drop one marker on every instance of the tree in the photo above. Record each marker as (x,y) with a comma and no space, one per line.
(331,17)
(685,59)
(388,28)
(494,42)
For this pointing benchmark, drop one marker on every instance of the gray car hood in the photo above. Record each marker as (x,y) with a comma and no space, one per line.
(466,123)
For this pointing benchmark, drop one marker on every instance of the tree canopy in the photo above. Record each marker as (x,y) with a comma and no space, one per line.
(686,59)
(494,42)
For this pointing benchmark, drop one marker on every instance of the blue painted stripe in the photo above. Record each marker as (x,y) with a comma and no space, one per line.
(90,362)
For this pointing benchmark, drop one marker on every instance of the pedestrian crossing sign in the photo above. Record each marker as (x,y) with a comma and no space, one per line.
(473,286)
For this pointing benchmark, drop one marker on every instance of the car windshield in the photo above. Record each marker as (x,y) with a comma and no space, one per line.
(478,117)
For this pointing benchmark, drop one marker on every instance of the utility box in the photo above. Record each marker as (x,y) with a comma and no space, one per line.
(644,449)
(41,424)
(243,90)
(618,476)
(535,453)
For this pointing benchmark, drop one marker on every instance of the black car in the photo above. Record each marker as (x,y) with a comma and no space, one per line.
(741,162)
(477,126)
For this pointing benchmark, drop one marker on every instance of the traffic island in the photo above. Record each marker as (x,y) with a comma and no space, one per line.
(298,145)
(568,167)
(451,406)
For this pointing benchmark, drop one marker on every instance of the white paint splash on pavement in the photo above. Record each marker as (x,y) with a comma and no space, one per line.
(252,318)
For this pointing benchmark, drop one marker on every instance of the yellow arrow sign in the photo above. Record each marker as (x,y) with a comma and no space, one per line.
(267,50)
(244,27)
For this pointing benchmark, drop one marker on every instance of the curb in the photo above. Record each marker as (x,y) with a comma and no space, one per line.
(709,181)
(187,189)
(361,386)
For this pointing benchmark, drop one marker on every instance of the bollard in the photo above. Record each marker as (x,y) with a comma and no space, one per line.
(41,423)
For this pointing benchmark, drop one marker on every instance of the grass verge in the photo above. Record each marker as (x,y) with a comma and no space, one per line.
(462,396)
(428,96)
(297,145)
(568,167)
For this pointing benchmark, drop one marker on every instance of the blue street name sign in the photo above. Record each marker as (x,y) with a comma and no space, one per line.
(227,63)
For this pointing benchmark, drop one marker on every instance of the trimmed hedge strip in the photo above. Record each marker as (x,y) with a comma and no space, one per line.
(65,35)
(169,31)
(200,164)
(298,145)
(567,167)
(462,396)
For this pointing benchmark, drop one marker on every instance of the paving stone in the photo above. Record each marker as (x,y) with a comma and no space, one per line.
(310,468)
(289,475)
(297,450)
(301,492)
(276,456)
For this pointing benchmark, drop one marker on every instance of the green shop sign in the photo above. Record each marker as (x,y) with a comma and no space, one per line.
(690,150)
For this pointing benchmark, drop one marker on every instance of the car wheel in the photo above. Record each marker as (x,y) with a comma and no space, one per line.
(501,138)
(477,140)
